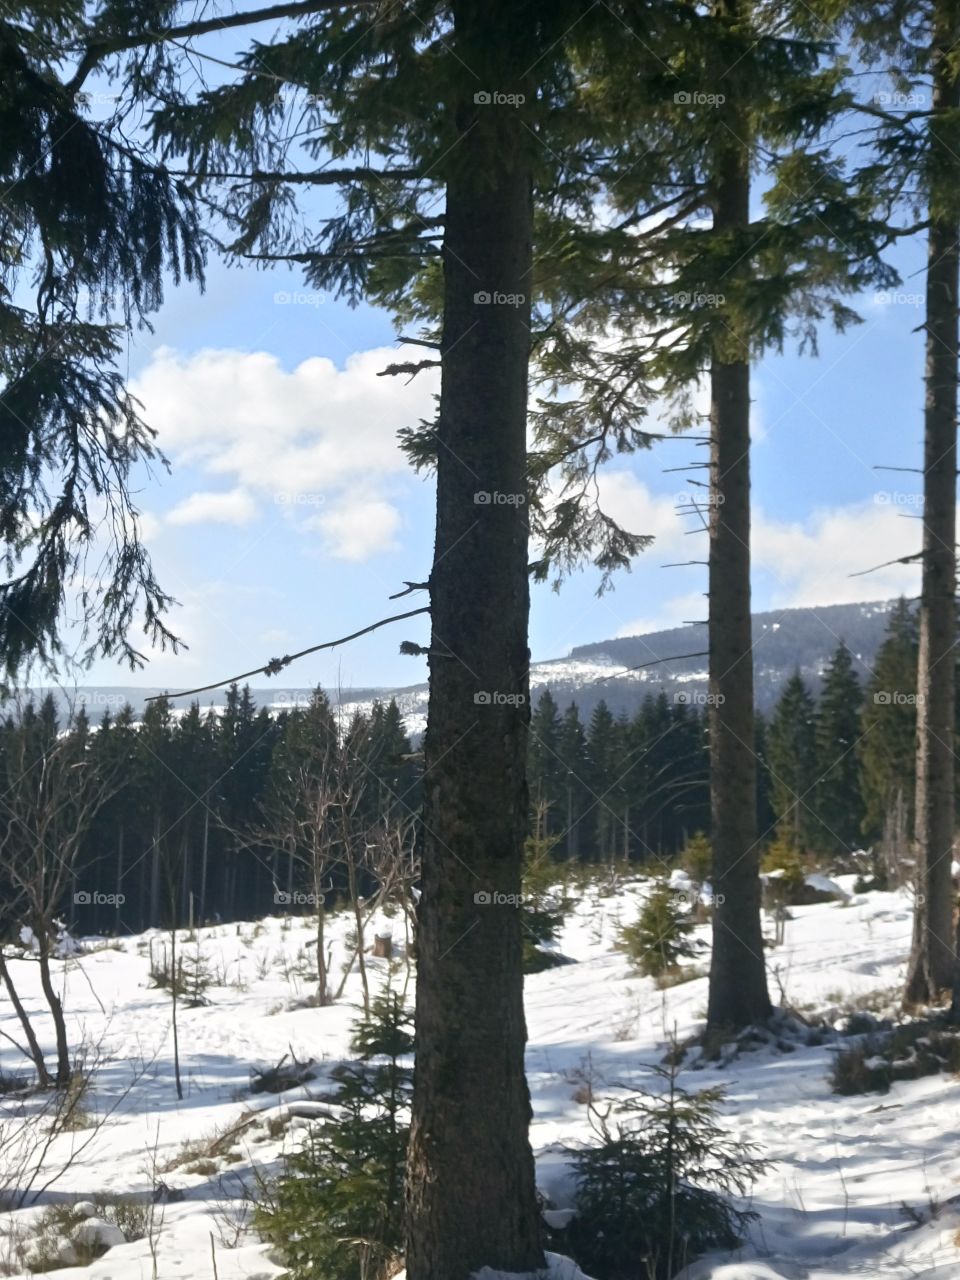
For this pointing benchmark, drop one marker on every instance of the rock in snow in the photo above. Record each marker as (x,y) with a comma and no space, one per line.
(95,1232)
(823,884)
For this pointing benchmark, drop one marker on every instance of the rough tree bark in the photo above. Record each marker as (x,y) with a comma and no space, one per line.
(470,1187)
(738,982)
(932,956)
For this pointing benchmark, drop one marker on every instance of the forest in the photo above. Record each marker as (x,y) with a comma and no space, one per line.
(289,992)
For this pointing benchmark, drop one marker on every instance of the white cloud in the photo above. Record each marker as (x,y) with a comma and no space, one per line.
(812,561)
(358,528)
(632,505)
(806,562)
(672,613)
(235,506)
(316,434)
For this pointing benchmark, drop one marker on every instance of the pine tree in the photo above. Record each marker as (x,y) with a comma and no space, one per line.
(915,167)
(91,227)
(791,751)
(576,795)
(392,781)
(837,798)
(735,287)
(606,759)
(655,1187)
(661,934)
(697,857)
(889,723)
(336,1212)
(546,771)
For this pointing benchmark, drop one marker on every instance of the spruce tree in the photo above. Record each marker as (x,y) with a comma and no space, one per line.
(91,227)
(546,769)
(915,166)
(605,748)
(837,797)
(576,794)
(336,1212)
(655,1186)
(791,751)
(889,723)
(661,934)
(410,126)
(731,90)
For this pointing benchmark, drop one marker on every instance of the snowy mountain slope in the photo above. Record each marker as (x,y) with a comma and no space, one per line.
(784,640)
(829,1207)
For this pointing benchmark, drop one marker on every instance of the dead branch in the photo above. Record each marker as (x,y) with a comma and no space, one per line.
(677,657)
(276,665)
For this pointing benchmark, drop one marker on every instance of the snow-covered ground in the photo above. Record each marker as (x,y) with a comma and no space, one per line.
(830,1206)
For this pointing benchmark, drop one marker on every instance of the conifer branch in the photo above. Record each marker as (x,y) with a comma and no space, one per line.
(95,53)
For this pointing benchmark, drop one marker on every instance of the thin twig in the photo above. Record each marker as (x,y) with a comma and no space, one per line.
(677,657)
(276,665)
(917,555)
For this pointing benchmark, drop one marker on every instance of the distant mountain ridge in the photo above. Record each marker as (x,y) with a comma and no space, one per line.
(621,671)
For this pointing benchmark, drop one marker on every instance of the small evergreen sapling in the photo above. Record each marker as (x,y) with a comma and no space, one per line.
(783,861)
(544,904)
(697,857)
(661,935)
(336,1211)
(653,1190)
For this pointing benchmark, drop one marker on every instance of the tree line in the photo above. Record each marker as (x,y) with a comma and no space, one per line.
(224,787)
(663,192)
(218,799)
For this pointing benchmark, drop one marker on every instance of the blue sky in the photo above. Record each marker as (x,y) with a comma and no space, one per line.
(290,517)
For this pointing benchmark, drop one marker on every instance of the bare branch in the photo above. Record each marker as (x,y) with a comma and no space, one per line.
(276,665)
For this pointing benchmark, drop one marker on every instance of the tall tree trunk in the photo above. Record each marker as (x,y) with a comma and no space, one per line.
(738,981)
(204,853)
(55,1004)
(118,913)
(932,956)
(154,919)
(174,982)
(471,1193)
(36,1053)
